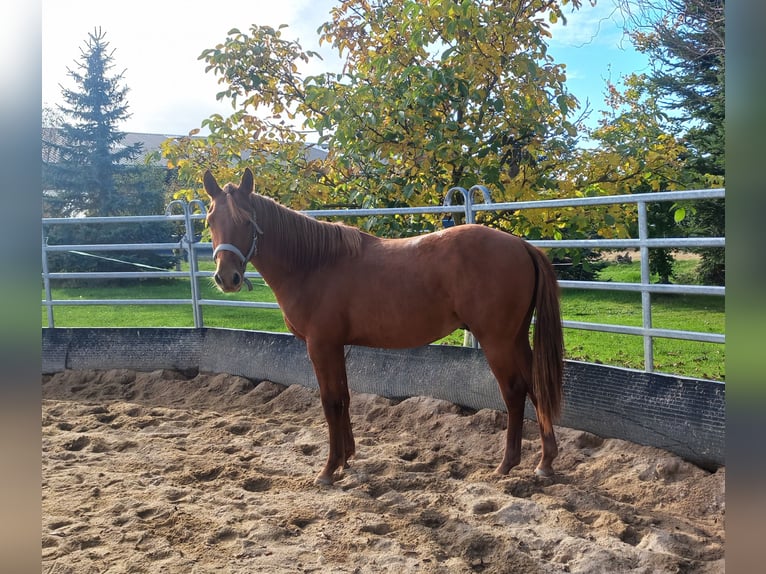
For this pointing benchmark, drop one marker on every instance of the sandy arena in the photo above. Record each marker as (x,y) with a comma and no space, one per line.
(170,472)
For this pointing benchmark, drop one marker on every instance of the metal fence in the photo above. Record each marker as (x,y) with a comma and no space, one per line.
(188,213)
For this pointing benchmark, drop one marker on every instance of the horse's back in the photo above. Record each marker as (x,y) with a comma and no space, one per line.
(413,291)
(482,244)
(465,260)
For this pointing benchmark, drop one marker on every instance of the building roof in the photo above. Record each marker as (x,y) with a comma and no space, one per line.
(151,143)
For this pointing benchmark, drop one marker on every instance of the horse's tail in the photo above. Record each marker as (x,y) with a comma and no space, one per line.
(548,343)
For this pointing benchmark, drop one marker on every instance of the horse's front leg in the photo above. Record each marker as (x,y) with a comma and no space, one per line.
(330,368)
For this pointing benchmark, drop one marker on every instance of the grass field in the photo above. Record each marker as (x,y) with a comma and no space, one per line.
(691,313)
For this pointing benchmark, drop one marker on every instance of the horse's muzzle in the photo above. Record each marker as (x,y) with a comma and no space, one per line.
(228,283)
(231,283)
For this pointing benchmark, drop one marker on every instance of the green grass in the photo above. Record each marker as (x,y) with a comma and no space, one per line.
(678,312)
(163,315)
(683,312)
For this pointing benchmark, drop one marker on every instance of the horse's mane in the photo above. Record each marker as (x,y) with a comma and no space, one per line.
(295,238)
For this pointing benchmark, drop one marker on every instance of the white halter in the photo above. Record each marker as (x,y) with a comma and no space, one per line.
(243,259)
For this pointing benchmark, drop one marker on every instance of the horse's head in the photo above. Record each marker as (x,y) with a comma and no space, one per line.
(233,229)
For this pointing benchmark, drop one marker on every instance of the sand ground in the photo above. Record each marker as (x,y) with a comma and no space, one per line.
(195,473)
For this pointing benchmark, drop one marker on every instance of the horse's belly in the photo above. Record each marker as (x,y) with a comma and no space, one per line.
(404,327)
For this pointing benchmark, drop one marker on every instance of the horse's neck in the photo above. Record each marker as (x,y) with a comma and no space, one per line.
(275,256)
(294,246)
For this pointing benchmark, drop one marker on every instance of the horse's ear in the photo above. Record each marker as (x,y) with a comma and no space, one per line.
(246,186)
(211,185)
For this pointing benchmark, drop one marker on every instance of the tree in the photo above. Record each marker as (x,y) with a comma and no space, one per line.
(686,41)
(89,154)
(86,170)
(638,151)
(431,95)
(464,93)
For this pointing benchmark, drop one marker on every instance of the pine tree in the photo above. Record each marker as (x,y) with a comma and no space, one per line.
(87,171)
(89,151)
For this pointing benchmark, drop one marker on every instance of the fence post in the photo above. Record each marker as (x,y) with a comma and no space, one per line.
(646,297)
(193,263)
(47,281)
(187,242)
(484,193)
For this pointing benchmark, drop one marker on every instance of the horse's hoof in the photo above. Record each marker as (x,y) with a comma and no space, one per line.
(543,473)
(323,480)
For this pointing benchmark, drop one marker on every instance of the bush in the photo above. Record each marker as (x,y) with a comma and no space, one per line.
(577,264)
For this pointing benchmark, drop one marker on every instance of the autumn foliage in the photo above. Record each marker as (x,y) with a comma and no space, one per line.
(431,95)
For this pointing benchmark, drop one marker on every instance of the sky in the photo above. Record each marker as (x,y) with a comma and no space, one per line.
(157,44)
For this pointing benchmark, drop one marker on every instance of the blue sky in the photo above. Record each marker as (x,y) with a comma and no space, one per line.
(594,49)
(157,44)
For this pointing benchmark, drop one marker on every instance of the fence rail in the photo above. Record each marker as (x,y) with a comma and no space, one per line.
(193,248)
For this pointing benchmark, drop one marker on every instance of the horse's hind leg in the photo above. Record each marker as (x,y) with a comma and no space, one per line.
(550,448)
(330,368)
(547,438)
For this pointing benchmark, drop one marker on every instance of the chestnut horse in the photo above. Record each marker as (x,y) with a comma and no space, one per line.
(337,285)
